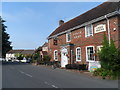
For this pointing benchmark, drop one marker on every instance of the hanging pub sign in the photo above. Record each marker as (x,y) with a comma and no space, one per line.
(100,28)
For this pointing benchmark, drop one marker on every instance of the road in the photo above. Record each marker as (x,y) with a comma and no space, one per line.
(16,75)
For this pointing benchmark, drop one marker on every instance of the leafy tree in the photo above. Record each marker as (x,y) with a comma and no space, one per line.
(36,56)
(108,54)
(5,38)
(46,58)
(104,53)
(110,58)
(19,56)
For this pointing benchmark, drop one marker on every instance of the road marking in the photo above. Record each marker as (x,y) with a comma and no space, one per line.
(50,85)
(21,72)
(28,75)
(47,83)
(25,73)
(54,86)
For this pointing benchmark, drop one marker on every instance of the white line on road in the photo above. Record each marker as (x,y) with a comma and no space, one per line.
(54,86)
(50,85)
(21,72)
(25,73)
(47,83)
(28,75)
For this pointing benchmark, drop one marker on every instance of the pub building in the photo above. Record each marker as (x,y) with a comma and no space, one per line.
(78,40)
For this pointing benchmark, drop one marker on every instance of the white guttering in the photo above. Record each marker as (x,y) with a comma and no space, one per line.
(87,23)
(108,27)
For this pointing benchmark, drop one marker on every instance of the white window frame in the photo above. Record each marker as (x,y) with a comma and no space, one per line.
(76,54)
(55,56)
(86,31)
(67,37)
(99,48)
(87,54)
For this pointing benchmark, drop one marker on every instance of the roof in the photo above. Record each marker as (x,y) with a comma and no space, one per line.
(21,51)
(38,49)
(44,53)
(45,44)
(27,52)
(101,10)
(15,51)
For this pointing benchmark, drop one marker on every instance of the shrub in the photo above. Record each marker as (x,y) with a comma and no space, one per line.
(33,61)
(104,74)
(46,59)
(76,66)
(83,67)
(68,66)
(110,59)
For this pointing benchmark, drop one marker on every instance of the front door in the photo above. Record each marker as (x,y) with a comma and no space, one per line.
(64,58)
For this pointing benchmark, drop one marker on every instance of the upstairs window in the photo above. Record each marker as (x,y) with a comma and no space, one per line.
(68,37)
(88,30)
(55,42)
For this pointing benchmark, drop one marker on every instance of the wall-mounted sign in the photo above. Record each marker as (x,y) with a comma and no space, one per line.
(77,35)
(100,28)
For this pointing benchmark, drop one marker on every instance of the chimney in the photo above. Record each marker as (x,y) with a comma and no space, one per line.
(61,22)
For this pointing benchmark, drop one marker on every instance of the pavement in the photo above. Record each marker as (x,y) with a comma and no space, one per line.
(22,75)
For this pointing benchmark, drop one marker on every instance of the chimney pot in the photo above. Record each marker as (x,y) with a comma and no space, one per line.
(61,22)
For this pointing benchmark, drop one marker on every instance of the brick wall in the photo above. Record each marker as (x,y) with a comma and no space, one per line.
(79,40)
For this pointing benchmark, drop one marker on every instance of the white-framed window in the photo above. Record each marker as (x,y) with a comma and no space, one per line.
(78,54)
(68,37)
(55,55)
(99,48)
(89,30)
(90,53)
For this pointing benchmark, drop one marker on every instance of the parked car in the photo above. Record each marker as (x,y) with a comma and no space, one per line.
(2,59)
(24,60)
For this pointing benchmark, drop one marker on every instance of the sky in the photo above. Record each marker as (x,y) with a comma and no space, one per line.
(30,23)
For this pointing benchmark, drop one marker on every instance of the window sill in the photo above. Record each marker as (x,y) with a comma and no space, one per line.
(78,60)
(90,60)
(68,41)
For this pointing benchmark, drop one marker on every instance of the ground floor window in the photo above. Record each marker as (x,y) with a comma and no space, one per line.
(99,48)
(78,54)
(55,55)
(90,53)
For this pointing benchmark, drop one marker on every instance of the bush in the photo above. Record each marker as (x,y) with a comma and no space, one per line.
(76,66)
(101,72)
(46,59)
(33,61)
(83,67)
(110,59)
(68,66)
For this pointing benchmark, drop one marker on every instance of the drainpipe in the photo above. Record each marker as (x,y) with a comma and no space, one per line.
(71,57)
(108,24)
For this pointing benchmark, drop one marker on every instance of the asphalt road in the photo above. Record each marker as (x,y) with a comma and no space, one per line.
(15,75)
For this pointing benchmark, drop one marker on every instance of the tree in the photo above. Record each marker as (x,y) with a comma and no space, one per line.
(46,59)
(109,55)
(110,59)
(5,39)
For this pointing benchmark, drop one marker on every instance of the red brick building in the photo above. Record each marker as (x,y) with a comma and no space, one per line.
(78,40)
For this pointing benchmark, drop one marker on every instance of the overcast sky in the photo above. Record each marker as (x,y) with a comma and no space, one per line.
(30,23)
